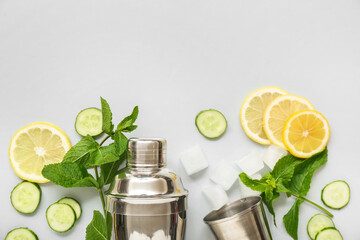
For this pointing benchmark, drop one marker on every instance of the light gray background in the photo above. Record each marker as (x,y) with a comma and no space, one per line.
(174,59)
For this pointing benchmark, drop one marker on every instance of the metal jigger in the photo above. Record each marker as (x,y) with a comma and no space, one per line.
(243,219)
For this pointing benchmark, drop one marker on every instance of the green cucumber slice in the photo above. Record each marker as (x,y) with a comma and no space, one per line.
(317,223)
(211,123)
(21,233)
(89,122)
(336,195)
(74,204)
(25,197)
(61,217)
(330,233)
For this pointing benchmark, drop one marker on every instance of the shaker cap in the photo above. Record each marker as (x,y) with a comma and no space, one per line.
(146,152)
(145,187)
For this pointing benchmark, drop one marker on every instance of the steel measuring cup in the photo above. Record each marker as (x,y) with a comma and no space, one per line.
(243,219)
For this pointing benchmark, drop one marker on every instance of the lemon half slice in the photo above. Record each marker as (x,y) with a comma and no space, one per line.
(278,111)
(306,133)
(252,112)
(34,146)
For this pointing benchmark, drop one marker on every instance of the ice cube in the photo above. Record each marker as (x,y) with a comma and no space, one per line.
(256,176)
(216,196)
(272,154)
(160,235)
(225,175)
(194,160)
(138,236)
(251,163)
(246,191)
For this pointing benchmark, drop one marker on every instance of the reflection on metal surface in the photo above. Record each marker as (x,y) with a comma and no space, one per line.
(243,219)
(146,200)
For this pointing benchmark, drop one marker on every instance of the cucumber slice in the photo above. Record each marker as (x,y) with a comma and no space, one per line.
(317,223)
(336,195)
(21,233)
(74,204)
(89,122)
(330,233)
(211,123)
(25,197)
(61,217)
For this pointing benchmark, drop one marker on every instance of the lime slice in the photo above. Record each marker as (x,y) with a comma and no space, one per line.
(211,123)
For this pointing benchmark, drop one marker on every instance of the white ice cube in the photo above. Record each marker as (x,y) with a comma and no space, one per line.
(138,236)
(160,235)
(216,196)
(251,163)
(246,191)
(256,176)
(224,175)
(272,154)
(194,160)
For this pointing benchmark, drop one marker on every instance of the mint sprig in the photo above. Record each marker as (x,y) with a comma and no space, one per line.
(292,176)
(88,153)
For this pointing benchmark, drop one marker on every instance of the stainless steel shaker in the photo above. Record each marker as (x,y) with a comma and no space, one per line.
(147,201)
(243,219)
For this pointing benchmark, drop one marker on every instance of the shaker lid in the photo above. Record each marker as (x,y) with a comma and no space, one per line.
(146,152)
(145,175)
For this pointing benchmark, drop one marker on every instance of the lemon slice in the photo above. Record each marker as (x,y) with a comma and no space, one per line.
(34,146)
(306,133)
(278,111)
(252,111)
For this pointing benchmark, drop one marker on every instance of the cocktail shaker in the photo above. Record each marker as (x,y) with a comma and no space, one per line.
(147,201)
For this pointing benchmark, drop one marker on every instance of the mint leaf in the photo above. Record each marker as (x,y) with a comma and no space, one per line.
(254,184)
(291,219)
(88,153)
(107,125)
(126,125)
(110,170)
(68,174)
(97,229)
(280,187)
(130,128)
(269,202)
(284,168)
(300,182)
(80,152)
(103,155)
(120,142)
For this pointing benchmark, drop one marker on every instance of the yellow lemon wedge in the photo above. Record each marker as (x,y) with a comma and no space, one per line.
(278,111)
(34,146)
(252,112)
(306,133)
